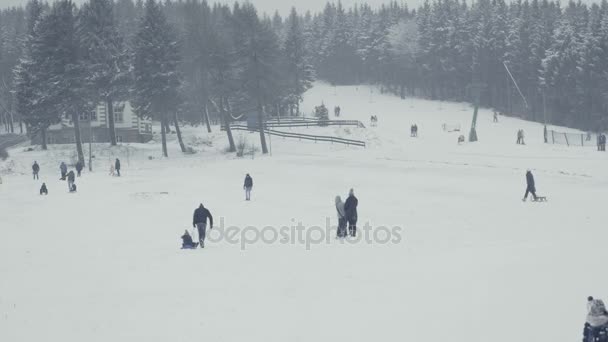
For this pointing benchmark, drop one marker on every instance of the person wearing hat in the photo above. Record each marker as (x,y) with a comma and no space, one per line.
(350,210)
(44,190)
(187,242)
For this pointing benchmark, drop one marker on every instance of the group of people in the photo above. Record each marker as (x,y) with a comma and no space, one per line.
(347,215)
(596,323)
(601,142)
(70,175)
(414,131)
(202,215)
(520,137)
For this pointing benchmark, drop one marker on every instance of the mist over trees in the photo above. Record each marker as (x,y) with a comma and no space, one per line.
(195,62)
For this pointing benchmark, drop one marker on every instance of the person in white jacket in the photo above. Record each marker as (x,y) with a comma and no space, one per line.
(341,217)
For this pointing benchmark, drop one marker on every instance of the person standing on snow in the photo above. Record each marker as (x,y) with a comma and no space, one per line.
(117,167)
(341,218)
(248,186)
(36,169)
(79,167)
(71,180)
(200,222)
(64,170)
(350,210)
(530,186)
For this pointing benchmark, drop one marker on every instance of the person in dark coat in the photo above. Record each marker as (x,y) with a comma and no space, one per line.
(71,179)
(117,167)
(36,170)
(44,190)
(341,218)
(64,170)
(530,186)
(248,186)
(187,242)
(79,167)
(199,220)
(350,211)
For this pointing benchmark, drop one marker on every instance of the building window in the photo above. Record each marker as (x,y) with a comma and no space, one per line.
(119,110)
(119,138)
(93,115)
(83,117)
(148,128)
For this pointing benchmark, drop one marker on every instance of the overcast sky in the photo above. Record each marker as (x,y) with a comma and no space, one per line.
(269,6)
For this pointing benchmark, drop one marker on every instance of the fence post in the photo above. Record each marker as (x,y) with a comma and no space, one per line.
(582,141)
(553,137)
(566,136)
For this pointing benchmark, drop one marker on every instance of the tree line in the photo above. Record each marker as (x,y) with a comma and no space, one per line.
(189,61)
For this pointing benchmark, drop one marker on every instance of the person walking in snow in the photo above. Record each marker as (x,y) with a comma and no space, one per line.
(530,186)
(187,242)
(36,170)
(64,170)
(79,167)
(341,218)
(199,220)
(248,186)
(495,116)
(44,190)
(117,167)
(71,180)
(350,211)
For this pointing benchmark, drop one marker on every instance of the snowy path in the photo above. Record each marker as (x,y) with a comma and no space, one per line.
(473,263)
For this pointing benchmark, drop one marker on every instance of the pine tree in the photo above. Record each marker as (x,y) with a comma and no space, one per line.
(106,57)
(155,68)
(300,71)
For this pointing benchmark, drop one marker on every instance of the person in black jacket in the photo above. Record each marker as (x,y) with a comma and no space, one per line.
(64,170)
(530,186)
(36,169)
(248,186)
(187,242)
(350,210)
(71,179)
(117,167)
(44,190)
(200,222)
(79,167)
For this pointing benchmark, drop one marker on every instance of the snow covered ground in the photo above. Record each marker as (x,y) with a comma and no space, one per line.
(469,262)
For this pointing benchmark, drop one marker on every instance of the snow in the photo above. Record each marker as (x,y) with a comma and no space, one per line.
(472,261)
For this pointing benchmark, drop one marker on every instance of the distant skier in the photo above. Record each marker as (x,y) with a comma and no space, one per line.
(350,211)
(248,186)
(495,116)
(79,167)
(199,220)
(64,170)
(44,190)
(530,186)
(341,217)
(187,242)
(36,169)
(71,180)
(414,131)
(117,167)
(520,137)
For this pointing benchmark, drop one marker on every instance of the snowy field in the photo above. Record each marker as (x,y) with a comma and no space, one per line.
(469,262)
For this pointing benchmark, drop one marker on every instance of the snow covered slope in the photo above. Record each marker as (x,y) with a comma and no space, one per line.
(470,262)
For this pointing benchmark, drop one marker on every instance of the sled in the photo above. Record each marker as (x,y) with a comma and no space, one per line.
(540,199)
